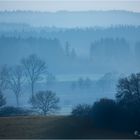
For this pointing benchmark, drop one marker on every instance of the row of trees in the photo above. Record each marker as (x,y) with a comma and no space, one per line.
(82,83)
(44,102)
(30,70)
(109,49)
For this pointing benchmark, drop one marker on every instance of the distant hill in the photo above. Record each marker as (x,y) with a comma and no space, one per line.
(71,19)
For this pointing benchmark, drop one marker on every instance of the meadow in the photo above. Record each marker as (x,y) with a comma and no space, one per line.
(53,127)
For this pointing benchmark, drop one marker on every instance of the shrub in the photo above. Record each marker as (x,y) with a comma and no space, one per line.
(82,110)
(14,111)
(104,112)
(2,100)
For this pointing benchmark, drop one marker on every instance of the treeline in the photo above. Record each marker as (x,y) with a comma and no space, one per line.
(105,54)
(115,52)
(49,49)
(121,114)
(23,47)
(114,48)
(21,30)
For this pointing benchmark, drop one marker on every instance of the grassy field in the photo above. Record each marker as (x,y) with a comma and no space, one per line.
(52,127)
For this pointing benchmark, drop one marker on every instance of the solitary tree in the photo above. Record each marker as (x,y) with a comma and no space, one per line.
(46,101)
(3,78)
(2,100)
(34,69)
(3,83)
(16,80)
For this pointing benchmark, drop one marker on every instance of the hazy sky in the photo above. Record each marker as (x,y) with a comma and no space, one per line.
(70,5)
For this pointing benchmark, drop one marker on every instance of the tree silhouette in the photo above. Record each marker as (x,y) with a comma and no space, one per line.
(16,80)
(34,69)
(3,78)
(128,89)
(46,101)
(2,100)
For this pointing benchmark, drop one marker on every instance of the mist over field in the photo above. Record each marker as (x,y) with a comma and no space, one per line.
(85,52)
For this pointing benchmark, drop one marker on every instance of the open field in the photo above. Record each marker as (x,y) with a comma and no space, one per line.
(53,127)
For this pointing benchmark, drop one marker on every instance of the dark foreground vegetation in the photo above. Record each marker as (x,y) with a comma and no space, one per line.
(106,118)
(54,127)
(121,114)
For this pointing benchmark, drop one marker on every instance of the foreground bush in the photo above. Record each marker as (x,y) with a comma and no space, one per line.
(107,113)
(122,113)
(104,112)
(13,111)
(82,110)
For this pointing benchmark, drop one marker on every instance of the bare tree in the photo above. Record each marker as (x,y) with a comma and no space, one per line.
(34,68)
(46,101)
(16,80)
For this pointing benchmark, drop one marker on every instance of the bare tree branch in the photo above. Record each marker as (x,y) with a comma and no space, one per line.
(34,69)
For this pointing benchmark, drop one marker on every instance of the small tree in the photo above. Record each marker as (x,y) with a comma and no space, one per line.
(16,80)
(81,110)
(34,68)
(3,78)
(2,100)
(46,101)
(3,83)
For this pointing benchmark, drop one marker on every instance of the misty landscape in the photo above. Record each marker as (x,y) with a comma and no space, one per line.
(83,61)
